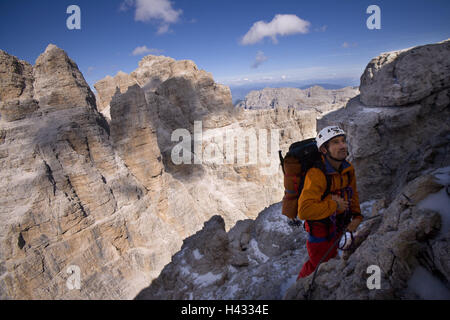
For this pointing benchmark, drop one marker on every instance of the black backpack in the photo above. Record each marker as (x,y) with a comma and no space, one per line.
(302,156)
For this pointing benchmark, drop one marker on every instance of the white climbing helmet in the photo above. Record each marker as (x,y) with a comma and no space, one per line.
(327,134)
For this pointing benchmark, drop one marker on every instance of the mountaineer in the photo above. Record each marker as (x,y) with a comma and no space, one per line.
(329,200)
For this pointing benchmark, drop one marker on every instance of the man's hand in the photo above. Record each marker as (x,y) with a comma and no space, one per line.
(342,204)
(354,224)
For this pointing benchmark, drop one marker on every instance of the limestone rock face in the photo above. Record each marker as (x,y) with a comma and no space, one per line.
(406,76)
(17,109)
(134,137)
(58,82)
(68,199)
(108,87)
(16,88)
(16,78)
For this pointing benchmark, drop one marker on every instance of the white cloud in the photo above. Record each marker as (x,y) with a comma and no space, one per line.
(127,4)
(139,51)
(348,45)
(260,58)
(163,28)
(147,10)
(153,10)
(321,29)
(281,24)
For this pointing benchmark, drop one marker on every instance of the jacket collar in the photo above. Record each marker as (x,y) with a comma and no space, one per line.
(329,168)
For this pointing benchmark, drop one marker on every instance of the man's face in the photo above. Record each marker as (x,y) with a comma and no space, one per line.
(337,148)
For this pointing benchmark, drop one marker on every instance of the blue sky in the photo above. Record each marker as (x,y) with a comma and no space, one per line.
(322,39)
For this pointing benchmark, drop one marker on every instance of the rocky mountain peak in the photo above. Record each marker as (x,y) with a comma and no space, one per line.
(59,82)
(151,73)
(52,47)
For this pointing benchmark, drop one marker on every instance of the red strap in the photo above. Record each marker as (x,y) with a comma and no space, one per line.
(290,197)
(295,184)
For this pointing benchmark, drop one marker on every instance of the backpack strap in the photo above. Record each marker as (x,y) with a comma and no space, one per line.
(281,160)
(320,165)
(328,189)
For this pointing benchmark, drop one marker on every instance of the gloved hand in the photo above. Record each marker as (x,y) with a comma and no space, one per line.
(354,223)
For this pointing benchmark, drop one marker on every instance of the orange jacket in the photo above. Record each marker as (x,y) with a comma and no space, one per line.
(310,205)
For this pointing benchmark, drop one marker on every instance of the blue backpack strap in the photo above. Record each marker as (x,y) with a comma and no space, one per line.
(313,239)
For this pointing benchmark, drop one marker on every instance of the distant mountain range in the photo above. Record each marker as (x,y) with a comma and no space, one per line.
(327,86)
(239,93)
(316,98)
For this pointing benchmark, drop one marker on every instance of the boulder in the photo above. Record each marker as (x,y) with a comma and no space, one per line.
(406,76)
